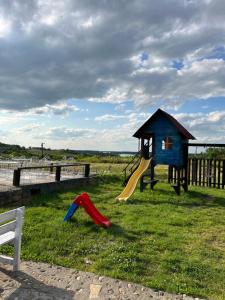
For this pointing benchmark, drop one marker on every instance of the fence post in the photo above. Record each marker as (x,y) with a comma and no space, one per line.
(200,172)
(184,178)
(219,171)
(193,171)
(51,168)
(16,177)
(57,173)
(204,170)
(141,184)
(169,173)
(223,175)
(87,170)
(210,172)
(178,182)
(189,171)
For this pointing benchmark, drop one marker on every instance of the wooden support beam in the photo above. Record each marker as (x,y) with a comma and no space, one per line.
(176,189)
(185,169)
(87,170)
(177,184)
(16,177)
(142,184)
(169,173)
(153,183)
(58,173)
(152,174)
(189,171)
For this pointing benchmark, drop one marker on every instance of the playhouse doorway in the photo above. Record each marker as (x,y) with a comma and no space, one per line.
(146,146)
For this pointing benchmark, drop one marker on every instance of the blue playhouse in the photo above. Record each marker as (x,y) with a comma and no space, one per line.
(164,139)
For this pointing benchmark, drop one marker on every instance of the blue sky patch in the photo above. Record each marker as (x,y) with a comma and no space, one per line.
(177,64)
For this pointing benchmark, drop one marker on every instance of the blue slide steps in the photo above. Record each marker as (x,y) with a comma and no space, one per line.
(71,211)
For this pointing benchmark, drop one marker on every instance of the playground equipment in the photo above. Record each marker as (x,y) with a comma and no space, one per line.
(165,141)
(131,185)
(84,201)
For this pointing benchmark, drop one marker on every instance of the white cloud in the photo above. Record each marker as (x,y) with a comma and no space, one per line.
(60,133)
(200,80)
(56,109)
(206,127)
(27,129)
(109,51)
(117,138)
(94,51)
(209,126)
(108,117)
(5,27)
(59,109)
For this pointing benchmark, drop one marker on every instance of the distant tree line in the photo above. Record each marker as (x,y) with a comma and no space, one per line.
(210,153)
(15,151)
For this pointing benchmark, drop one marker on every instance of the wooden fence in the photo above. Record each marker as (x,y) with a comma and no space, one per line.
(50,171)
(201,172)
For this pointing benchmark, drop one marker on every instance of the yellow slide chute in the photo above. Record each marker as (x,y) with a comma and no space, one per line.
(131,185)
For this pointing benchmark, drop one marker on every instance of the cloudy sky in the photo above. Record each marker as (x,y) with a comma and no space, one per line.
(86,74)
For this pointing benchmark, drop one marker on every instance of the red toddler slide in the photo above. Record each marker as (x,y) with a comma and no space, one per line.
(85,201)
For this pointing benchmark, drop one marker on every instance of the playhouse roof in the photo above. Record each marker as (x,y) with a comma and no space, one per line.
(160,112)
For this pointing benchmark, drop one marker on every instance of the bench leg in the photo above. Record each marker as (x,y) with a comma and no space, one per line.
(17,242)
(16,258)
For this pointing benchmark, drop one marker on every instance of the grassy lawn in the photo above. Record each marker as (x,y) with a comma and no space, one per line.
(157,239)
(107,168)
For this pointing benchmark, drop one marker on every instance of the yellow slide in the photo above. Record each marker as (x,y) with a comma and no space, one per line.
(131,185)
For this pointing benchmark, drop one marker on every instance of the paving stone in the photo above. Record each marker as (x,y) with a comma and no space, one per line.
(95,290)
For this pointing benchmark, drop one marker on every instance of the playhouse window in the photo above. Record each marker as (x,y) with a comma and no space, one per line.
(167,143)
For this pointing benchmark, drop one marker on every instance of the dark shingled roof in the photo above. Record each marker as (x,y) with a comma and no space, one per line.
(159,112)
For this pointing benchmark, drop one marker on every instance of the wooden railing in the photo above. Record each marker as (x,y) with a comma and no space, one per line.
(206,172)
(51,168)
(131,166)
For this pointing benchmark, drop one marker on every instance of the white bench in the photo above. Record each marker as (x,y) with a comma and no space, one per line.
(10,232)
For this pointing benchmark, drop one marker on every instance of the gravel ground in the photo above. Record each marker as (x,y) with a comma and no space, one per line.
(45,281)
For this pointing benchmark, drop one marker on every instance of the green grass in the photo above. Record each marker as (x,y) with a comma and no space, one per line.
(157,239)
(107,168)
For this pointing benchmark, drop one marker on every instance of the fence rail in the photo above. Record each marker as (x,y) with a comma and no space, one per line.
(49,173)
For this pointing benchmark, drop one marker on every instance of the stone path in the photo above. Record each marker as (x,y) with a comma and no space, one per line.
(47,282)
